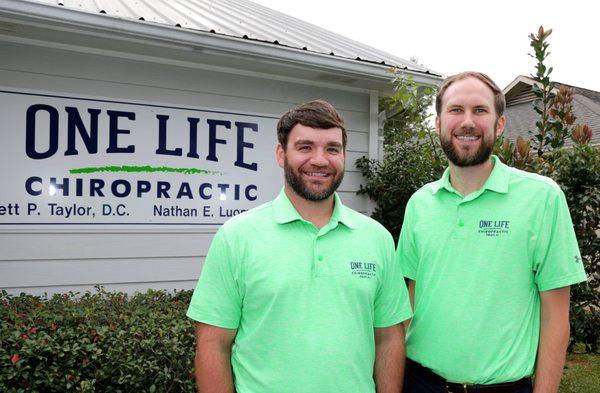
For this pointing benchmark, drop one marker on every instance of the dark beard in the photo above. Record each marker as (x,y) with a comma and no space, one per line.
(295,181)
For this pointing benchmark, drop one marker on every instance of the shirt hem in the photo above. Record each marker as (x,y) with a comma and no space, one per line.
(395,321)
(210,320)
(563,282)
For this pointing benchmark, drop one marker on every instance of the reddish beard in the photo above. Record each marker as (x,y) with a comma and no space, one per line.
(461,159)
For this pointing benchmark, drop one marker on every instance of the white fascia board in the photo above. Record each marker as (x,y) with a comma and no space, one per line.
(524,79)
(175,37)
(517,80)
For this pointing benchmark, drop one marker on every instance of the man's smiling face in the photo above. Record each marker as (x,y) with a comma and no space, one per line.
(468,124)
(313,161)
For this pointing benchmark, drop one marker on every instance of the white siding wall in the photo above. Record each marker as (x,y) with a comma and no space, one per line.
(59,260)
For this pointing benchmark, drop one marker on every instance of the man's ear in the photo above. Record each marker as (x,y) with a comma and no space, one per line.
(280,152)
(437,125)
(500,125)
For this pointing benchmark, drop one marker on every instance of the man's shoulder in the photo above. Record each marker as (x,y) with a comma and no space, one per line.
(363,222)
(426,192)
(532,182)
(430,187)
(249,218)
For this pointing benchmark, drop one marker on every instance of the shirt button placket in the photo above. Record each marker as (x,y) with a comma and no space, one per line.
(317,258)
(459,229)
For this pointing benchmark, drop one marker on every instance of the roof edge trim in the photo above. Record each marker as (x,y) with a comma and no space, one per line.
(58,17)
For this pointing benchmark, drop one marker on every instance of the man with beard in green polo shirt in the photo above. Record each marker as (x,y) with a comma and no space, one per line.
(302,294)
(490,253)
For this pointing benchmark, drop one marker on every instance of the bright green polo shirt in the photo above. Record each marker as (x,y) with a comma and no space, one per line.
(304,301)
(478,263)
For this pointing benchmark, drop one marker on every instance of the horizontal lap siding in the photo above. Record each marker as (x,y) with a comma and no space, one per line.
(59,260)
(74,245)
(85,271)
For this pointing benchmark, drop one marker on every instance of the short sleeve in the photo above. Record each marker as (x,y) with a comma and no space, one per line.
(392,304)
(557,260)
(217,299)
(406,254)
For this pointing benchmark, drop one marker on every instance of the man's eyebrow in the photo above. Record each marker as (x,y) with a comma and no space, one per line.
(462,106)
(303,142)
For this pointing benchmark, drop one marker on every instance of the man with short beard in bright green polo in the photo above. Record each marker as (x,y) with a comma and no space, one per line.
(302,294)
(490,253)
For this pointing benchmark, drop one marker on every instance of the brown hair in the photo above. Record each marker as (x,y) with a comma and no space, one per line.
(315,114)
(499,100)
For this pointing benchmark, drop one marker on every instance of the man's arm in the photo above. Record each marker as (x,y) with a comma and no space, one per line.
(389,359)
(411,296)
(213,359)
(554,339)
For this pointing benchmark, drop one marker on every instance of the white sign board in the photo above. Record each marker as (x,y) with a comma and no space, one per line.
(96,162)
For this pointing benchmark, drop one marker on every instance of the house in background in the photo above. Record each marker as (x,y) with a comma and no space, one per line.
(521,117)
(97,95)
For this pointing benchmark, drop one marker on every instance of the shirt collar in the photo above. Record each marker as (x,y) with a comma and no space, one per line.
(497,180)
(285,212)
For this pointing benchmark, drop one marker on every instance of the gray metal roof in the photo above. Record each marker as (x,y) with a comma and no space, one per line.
(240,19)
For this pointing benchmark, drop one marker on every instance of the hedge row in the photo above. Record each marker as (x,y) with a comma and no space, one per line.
(96,342)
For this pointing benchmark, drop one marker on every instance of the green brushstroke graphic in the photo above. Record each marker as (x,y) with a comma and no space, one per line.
(143,168)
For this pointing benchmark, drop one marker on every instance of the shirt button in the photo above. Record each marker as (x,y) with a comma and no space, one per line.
(320,257)
(461,223)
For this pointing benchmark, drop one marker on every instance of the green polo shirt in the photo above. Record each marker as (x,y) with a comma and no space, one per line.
(304,300)
(479,263)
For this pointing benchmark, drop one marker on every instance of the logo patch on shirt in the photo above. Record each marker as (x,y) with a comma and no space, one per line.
(577,259)
(363,269)
(493,228)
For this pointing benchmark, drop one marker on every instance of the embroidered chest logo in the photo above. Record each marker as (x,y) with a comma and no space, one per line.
(577,259)
(494,228)
(363,269)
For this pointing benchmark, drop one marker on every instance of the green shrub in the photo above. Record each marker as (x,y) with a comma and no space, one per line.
(577,172)
(576,169)
(96,342)
(412,154)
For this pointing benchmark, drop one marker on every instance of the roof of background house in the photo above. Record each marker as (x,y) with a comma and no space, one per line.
(521,117)
(243,20)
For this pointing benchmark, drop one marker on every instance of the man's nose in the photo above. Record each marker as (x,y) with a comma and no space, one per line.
(319,158)
(467,121)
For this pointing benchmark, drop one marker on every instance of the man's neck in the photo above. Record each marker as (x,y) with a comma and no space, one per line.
(317,212)
(466,180)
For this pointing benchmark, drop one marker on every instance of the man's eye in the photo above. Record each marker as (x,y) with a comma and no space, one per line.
(480,110)
(304,148)
(334,150)
(455,110)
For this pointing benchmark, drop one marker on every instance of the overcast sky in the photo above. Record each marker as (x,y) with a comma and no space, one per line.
(458,35)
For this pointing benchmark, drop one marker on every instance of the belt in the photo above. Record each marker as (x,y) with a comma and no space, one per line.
(453,387)
(507,387)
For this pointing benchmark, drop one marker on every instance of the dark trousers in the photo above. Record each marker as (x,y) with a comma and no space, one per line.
(418,379)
